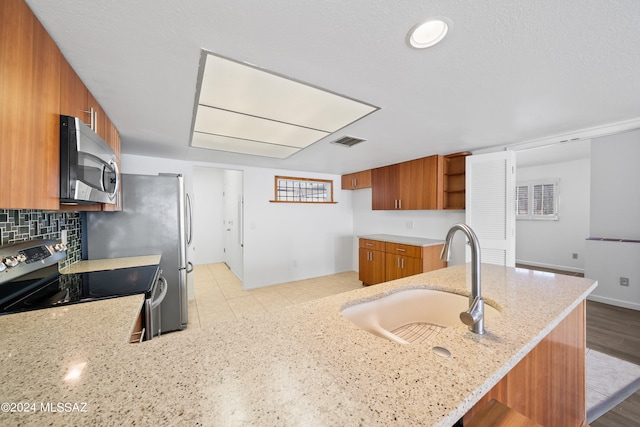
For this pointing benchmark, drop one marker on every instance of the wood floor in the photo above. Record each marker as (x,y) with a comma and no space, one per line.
(616,331)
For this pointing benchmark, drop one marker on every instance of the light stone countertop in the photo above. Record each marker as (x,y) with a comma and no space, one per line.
(303,365)
(111,264)
(404,240)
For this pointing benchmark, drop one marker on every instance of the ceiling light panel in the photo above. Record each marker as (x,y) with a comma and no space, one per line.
(223,143)
(231,124)
(244,103)
(233,86)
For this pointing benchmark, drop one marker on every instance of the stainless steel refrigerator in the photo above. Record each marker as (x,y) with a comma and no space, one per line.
(155,219)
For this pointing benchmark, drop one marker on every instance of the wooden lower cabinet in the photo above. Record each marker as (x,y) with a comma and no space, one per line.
(399,266)
(372,266)
(383,261)
(548,385)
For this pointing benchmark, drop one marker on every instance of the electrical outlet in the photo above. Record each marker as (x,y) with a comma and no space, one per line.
(624,281)
(575,256)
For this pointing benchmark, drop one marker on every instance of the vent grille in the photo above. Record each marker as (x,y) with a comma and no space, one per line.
(348,141)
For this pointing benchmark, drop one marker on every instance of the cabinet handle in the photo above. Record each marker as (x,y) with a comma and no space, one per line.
(398,262)
(92,117)
(399,203)
(369,244)
(353,182)
(402,263)
(395,203)
(401,250)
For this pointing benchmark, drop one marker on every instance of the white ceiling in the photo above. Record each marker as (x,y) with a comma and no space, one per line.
(508,71)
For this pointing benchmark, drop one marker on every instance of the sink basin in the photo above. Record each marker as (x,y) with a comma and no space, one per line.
(411,315)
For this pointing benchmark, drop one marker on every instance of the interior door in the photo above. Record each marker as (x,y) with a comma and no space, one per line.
(490,210)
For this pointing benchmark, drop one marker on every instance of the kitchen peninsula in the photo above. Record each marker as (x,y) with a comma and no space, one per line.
(303,365)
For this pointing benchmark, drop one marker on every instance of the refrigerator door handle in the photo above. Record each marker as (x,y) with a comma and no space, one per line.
(189,267)
(162,283)
(189,220)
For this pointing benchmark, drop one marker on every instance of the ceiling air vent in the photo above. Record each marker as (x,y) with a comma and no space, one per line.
(348,141)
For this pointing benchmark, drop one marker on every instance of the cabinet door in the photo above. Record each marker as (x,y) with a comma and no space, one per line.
(420,184)
(399,266)
(29,107)
(73,93)
(100,119)
(371,266)
(362,179)
(384,183)
(347,181)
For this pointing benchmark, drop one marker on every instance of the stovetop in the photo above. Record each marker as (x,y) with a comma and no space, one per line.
(30,279)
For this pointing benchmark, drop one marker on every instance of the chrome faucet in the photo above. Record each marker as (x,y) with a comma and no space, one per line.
(474,316)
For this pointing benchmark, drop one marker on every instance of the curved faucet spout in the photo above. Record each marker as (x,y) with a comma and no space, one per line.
(474,317)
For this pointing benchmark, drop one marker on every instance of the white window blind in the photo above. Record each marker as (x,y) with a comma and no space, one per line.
(537,200)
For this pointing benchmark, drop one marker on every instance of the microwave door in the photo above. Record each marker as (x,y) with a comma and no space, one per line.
(96,179)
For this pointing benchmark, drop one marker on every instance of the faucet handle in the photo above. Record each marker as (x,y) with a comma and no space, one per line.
(474,316)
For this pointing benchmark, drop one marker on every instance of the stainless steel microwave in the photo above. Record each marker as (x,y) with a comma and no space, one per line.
(88,166)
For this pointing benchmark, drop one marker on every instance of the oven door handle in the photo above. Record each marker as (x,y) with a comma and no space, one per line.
(162,283)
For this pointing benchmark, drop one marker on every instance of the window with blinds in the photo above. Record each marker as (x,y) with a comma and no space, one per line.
(537,200)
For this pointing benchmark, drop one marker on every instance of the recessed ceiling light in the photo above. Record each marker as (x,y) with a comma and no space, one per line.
(428,33)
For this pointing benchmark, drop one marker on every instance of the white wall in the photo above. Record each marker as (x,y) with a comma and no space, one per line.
(208,215)
(424,223)
(615,213)
(292,241)
(551,244)
(282,241)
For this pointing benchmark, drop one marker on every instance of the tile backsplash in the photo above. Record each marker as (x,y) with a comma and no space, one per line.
(29,224)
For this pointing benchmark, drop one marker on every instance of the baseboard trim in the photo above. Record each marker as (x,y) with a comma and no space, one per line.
(551,266)
(613,301)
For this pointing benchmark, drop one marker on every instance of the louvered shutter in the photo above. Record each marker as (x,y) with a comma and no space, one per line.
(490,205)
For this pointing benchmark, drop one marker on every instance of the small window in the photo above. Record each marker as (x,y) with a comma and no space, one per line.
(537,200)
(303,190)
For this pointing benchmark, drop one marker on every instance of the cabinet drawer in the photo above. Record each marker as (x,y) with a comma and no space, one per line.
(407,250)
(376,245)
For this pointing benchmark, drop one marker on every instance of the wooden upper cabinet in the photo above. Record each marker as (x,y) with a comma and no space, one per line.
(357,180)
(37,85)
(29,110)
(412,185)
(100,123)
(73,94)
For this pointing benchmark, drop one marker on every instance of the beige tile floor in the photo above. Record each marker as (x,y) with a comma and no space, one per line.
(219,295)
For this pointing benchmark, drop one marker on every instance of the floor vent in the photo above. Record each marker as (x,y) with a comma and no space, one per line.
(348,141)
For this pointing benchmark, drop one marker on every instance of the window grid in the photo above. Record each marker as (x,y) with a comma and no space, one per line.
(303,190)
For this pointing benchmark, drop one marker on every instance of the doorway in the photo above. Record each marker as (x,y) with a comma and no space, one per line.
(218,217)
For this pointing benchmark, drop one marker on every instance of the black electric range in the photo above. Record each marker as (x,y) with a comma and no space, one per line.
(29,279)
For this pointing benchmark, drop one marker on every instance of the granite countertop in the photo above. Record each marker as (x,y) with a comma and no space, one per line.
(110,264)
(303,365)
(404,240)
